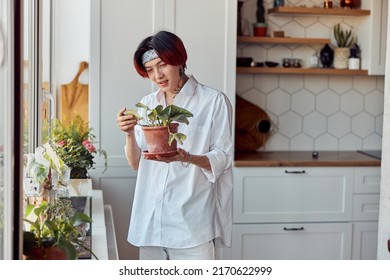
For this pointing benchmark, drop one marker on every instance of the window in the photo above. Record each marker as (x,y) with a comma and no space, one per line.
(26,105)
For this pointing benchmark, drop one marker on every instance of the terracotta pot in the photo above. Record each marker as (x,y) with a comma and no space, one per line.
(260,29)
(157,138)
(49,253)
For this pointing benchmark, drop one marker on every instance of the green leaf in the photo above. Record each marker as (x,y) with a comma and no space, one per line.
(80,219)
(179,137)
(134,113)
(68,249)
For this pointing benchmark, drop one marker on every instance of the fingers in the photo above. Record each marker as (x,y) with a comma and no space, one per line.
(125,123)
(121,111)
(181,151)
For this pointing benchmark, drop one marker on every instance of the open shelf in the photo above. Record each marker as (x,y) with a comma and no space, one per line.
(318,11)
(309,71)
(282,40)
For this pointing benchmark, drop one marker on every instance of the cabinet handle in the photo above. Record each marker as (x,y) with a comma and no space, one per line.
(295,172)
(292,229)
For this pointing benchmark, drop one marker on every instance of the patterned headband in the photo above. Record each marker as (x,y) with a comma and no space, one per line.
(148,56)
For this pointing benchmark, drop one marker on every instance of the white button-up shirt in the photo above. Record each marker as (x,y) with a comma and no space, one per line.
(179,207)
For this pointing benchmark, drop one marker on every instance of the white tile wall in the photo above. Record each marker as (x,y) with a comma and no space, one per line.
(312,111)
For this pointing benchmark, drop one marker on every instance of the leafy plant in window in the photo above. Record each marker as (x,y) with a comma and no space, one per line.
(74,144)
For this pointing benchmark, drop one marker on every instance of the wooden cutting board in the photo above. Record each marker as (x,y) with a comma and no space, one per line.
(253,126)
(75,98)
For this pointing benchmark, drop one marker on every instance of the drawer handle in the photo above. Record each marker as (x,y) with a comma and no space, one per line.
(292,229)
(295,172)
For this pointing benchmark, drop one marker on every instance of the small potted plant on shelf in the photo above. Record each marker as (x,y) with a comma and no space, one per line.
(55,231)
(354,57)
(74,144)
(160,127)
(345,39)
(260,27)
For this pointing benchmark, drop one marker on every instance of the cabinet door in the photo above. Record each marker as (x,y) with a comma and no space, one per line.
(263,195)
(330,241)
(365,241)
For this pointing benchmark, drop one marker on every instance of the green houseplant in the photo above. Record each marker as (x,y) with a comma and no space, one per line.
(164,122)
(54,231)
(345,39)
(74,144)
(41,166)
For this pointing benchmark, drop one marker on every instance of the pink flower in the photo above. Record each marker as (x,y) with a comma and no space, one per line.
(89,146)
(61,143)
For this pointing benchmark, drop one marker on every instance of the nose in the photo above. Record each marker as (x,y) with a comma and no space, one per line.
(158,73)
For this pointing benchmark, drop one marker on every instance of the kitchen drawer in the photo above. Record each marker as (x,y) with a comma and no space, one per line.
(313,241)
(367,180)
(365,207)
(263,195)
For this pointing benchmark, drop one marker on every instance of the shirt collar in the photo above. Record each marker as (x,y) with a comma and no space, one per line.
(188,89)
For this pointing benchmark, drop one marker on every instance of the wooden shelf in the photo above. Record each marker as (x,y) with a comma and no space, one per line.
(309,71)
(318,11)
(282,40)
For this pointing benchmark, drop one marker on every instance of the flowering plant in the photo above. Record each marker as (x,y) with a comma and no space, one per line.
(74,144)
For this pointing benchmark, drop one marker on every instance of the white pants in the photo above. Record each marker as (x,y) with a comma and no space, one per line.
(204,251)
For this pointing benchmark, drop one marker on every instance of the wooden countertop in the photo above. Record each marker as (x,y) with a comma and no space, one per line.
(303,158)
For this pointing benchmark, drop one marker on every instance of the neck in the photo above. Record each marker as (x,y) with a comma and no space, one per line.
(169,97)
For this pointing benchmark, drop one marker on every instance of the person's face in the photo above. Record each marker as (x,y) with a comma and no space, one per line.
(166,76)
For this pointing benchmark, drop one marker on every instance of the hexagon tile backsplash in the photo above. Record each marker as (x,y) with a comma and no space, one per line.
(311,112)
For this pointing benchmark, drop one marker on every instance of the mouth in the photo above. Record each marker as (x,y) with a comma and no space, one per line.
(163,83)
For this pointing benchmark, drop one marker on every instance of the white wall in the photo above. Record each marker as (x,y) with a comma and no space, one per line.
(72,30)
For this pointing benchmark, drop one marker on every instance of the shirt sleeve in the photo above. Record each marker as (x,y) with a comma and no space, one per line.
(221,144)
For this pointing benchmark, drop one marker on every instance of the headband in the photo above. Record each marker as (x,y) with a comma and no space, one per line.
(148,56)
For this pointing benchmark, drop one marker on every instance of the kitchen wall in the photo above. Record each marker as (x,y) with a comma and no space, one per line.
(321,112)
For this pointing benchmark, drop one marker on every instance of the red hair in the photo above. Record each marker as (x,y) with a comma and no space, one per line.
(168,46)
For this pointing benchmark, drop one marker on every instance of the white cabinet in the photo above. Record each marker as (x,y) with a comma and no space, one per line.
(305,213)
(299,241)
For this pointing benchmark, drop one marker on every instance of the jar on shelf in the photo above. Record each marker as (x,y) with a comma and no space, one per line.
(328,4)
(297,63)
(286,62)
(347,4)
(314,60)
(278,3)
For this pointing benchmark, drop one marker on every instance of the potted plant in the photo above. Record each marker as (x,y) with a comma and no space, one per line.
(354,57)
(160,127)
(260,27)
(54,231)
(74,144)
(40,168)
(344,40)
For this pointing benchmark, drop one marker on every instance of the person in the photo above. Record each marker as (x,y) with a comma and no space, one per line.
(182,206)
